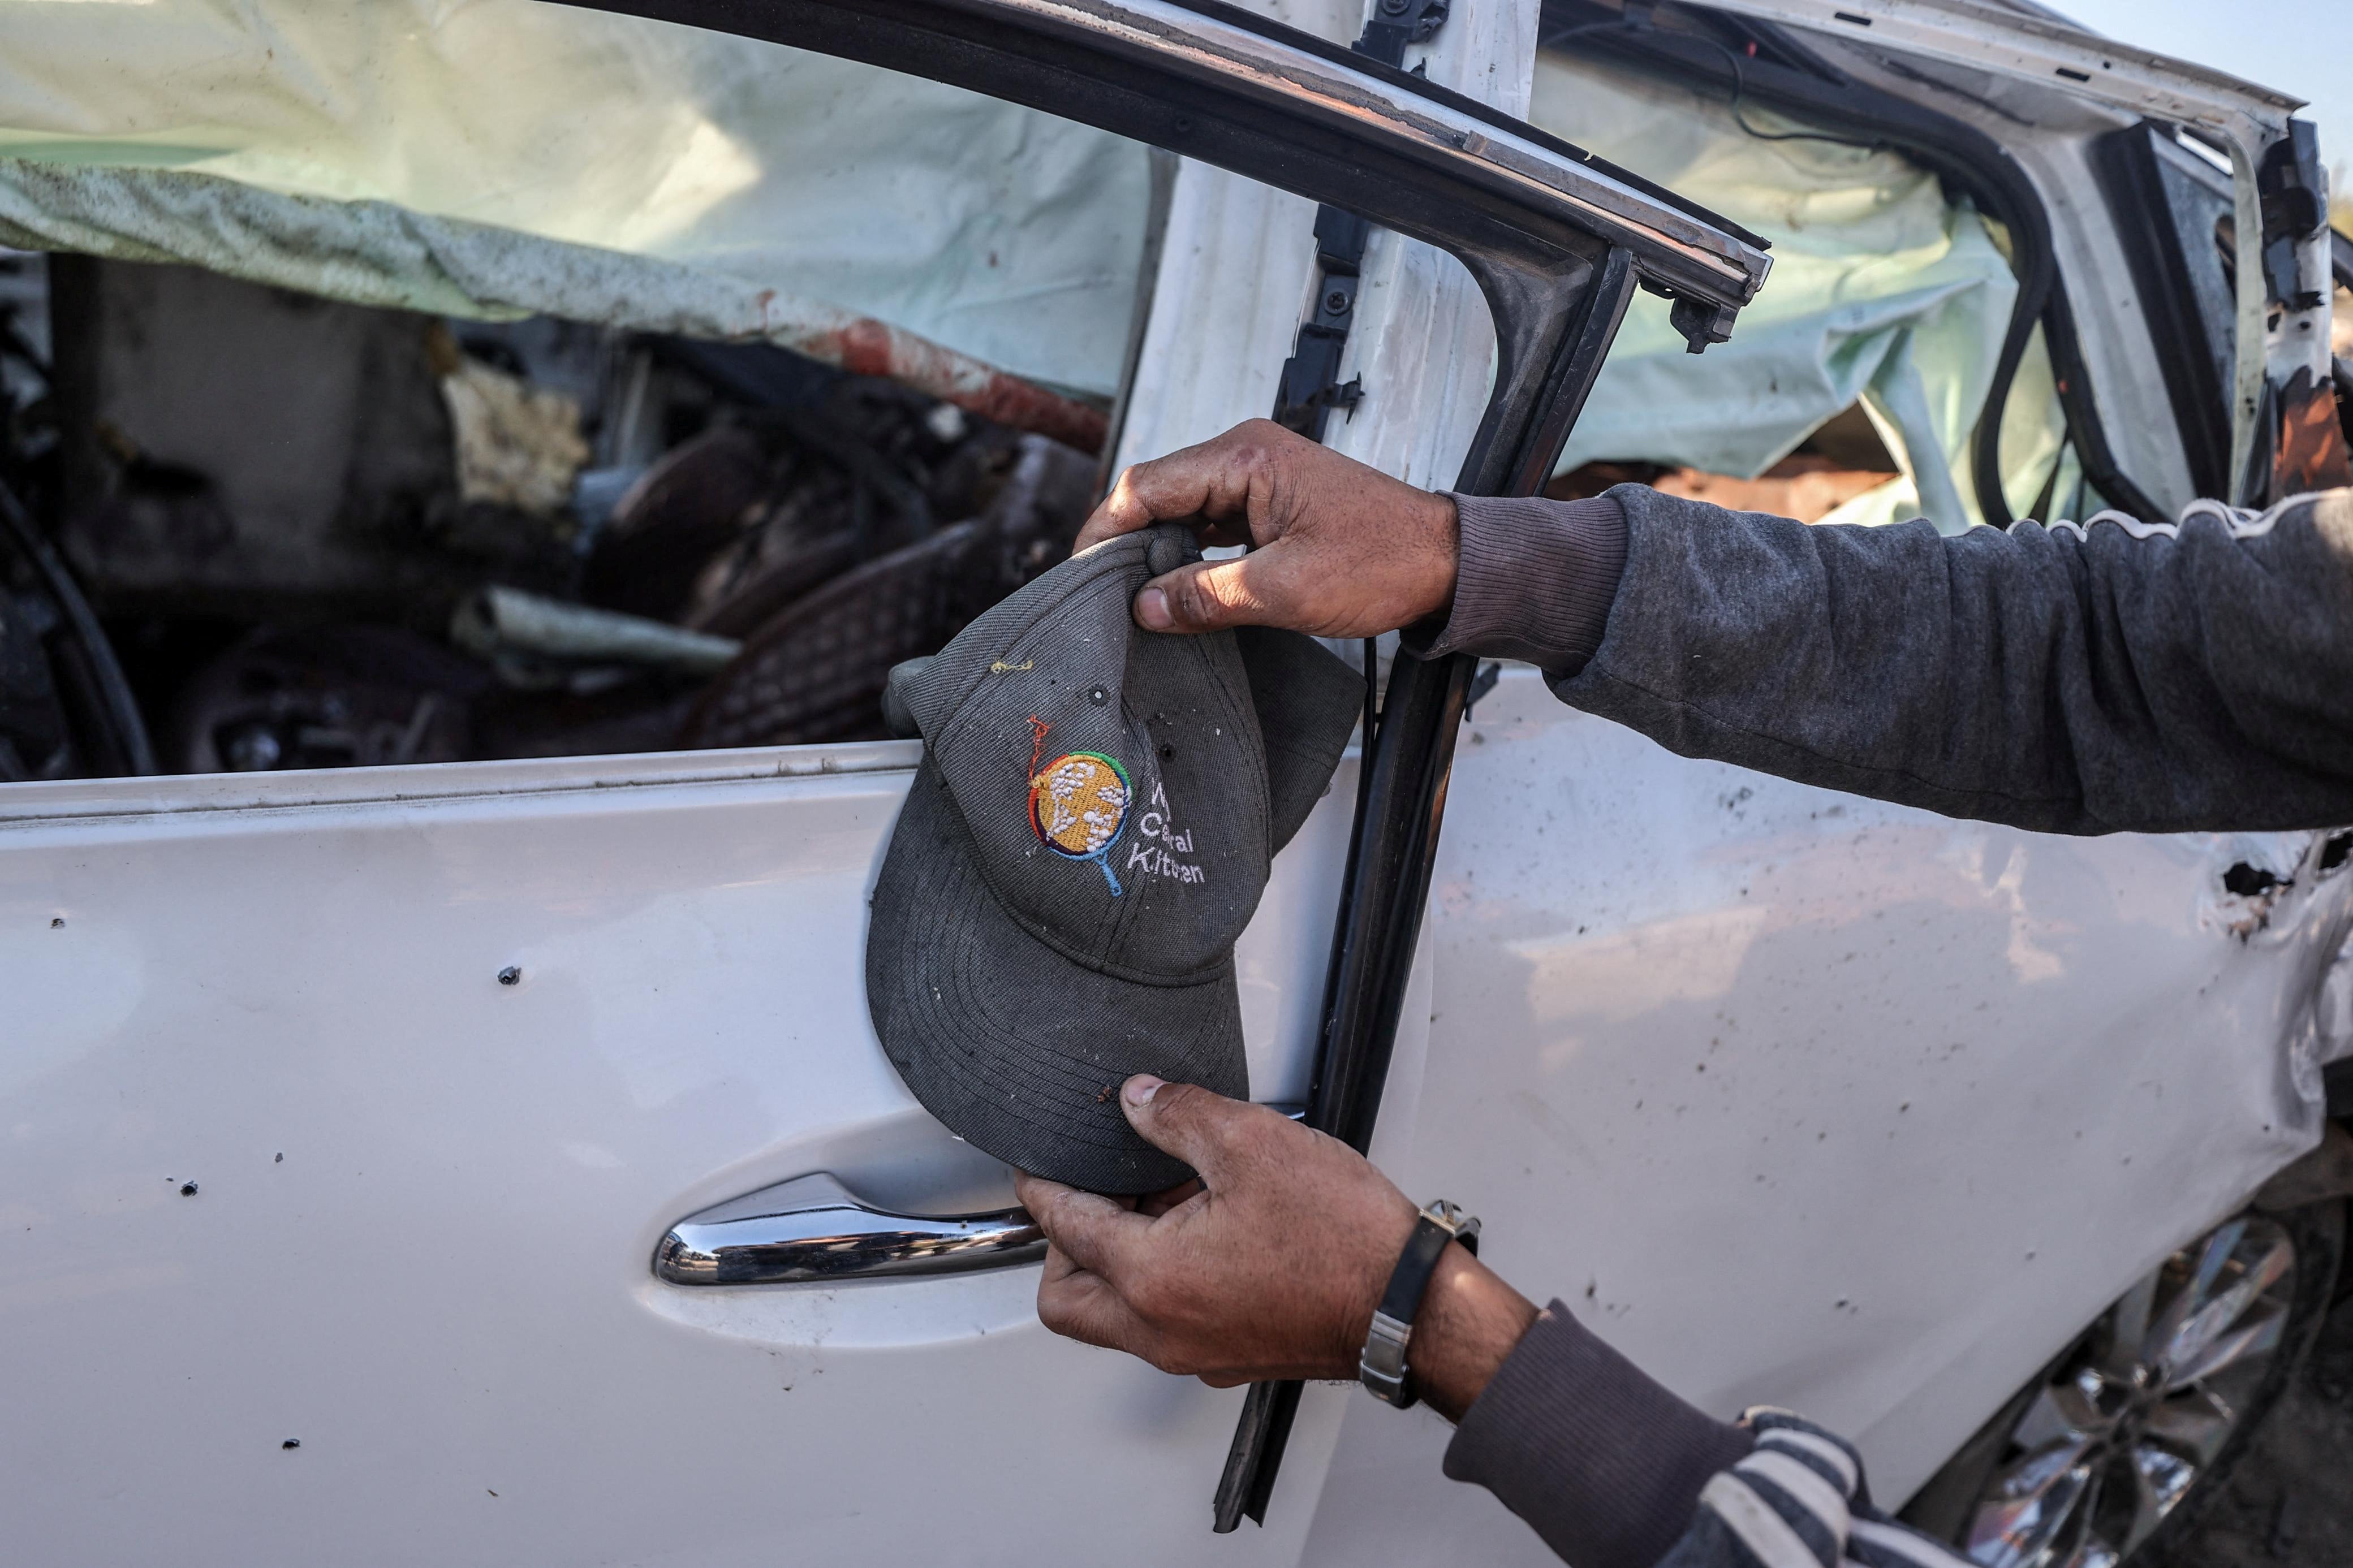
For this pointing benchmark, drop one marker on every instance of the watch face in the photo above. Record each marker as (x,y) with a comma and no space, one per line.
(1450,1217)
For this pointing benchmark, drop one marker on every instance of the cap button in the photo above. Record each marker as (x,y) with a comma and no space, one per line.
(1098,696)
(1171,545)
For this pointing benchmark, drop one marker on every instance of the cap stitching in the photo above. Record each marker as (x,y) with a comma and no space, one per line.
(946,1055)
(1246,725)
(968,842)
(1010,643)
(1070,1072)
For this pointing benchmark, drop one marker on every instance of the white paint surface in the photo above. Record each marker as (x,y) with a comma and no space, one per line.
(442,1289)
(1807,1100)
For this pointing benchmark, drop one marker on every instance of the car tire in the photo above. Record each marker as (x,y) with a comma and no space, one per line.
(2108,1455)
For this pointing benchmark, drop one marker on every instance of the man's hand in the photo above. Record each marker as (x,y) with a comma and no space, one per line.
(1268,1267)
(1343,551)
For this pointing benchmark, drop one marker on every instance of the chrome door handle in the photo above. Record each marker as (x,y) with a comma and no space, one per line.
(811,1228)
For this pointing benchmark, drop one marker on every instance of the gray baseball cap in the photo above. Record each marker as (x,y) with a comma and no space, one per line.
(1089,830)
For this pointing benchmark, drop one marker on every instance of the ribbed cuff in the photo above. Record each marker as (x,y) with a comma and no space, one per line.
(1602,1462)
(1535,581)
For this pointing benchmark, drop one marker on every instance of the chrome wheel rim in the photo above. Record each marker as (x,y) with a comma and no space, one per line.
(2127,1424)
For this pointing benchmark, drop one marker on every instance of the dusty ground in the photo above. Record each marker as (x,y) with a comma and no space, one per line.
(2290,1504)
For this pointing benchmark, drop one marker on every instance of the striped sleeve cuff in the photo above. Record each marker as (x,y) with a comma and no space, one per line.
(1797,1501)
(1535,581)
(1614,1471)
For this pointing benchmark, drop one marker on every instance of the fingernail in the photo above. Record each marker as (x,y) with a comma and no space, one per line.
(1141,1088)
(1152,611)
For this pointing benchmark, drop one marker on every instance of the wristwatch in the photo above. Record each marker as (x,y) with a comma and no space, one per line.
(1382,1367)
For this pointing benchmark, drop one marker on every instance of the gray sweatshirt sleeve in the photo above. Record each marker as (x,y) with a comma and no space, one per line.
(1614,1471)
(1602,1462)
(2115,677)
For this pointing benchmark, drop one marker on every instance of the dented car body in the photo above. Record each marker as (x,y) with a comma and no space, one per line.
(445,919)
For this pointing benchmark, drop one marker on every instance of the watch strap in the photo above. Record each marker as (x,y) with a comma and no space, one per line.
(1381,1368)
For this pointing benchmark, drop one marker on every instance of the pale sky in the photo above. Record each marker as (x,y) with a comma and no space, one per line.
(2300,47)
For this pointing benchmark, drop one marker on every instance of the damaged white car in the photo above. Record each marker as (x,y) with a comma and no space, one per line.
(466,470)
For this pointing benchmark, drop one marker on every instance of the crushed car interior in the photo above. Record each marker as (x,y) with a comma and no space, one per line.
(317,534)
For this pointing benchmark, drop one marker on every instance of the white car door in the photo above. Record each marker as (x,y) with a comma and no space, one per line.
(345,1111)
(431,1063)
(1805,1100)
(1809,1100)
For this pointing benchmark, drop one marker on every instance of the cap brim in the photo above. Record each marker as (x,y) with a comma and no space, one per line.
(1013,1045)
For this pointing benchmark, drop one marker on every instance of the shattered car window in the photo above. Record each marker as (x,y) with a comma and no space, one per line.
(1852,389)
(338,441)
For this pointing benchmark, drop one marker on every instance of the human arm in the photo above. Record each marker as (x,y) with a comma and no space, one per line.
(2135,678)
(1271,1268)
(2102,679)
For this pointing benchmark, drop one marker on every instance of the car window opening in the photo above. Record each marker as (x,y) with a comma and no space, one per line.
(1844,457)
(1897,285)
(662,399)
(328,535)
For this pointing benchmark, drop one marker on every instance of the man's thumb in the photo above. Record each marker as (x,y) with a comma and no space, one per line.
(1185,1120)
(1206,596)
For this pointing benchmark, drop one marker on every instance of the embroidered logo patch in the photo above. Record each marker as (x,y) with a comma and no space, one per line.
(1078,807)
